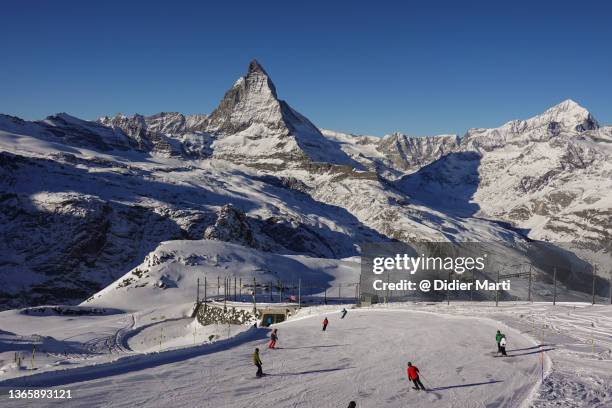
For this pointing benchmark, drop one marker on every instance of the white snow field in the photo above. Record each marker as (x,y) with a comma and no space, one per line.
(361,358)
(578,338)
(71,341)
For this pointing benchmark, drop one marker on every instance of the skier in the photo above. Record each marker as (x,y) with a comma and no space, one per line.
(498,337)
(273,338)
(502,345)
(344,312)
(352,404)
(413,375)
(325,323)
(257,362)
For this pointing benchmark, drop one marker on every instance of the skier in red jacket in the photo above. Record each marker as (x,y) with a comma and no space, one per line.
(413,375)
(273,338)
(325,323)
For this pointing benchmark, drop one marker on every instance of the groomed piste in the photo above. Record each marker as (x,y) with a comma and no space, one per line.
(362,358)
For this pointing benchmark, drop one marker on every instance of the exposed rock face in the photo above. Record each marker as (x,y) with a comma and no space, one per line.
(174,123)
(231,226)
(411,153)
(167,123)
(165,134)
(251,100)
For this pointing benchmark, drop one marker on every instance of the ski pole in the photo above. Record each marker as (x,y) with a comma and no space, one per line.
(426,380)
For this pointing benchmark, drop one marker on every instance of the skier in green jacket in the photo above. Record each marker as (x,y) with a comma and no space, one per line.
(257,362)
(498,337)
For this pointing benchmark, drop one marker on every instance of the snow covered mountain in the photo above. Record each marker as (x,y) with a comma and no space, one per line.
(255,127)
(550,175)
(84,202)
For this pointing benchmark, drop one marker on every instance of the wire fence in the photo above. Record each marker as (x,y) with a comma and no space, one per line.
(237,289)
(522,285)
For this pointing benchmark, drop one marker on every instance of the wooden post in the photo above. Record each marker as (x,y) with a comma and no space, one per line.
(299,293)
(530,280)
(161,337)
(254,294)
(594,276)
(198,293)
(554,286)
(205,298)
(235,298)
(218,285)
(610,283)
(240,289)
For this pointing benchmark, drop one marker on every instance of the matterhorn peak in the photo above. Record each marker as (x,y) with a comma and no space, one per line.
(252,123)
(255,67)
(251,100)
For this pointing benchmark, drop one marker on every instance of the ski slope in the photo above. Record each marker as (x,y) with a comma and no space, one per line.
(361,358)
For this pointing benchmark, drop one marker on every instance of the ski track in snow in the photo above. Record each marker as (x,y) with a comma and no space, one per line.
(578,338)
(360,358)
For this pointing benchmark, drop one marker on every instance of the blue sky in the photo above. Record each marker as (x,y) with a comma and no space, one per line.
(422,68)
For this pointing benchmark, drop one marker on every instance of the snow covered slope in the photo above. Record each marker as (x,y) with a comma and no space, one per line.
(316,369)
(169,274)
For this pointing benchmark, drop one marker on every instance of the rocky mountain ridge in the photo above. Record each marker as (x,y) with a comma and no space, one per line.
(84,202)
